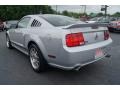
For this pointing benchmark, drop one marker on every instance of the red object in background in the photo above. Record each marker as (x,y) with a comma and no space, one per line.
(84,18)
(1,25)
(115,25)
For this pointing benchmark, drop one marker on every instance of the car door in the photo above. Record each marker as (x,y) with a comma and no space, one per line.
(19,32)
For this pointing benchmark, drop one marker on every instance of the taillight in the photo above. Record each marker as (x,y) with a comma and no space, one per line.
(106,35)
(75,39)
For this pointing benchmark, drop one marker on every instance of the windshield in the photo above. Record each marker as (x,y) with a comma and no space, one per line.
(59,20)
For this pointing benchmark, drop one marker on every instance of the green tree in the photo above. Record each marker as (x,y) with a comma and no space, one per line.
(66,13)
(13,12)
(117,14)
(99,14)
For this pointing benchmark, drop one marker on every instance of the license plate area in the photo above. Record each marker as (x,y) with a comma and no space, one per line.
(93,37)
(99,53)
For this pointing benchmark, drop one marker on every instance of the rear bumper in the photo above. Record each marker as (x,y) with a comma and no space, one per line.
(76,58)
(87,57)
(76,61)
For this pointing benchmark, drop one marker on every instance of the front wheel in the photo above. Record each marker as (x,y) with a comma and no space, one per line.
(37,60)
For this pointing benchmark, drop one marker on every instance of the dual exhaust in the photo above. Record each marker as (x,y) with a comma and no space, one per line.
(77,68)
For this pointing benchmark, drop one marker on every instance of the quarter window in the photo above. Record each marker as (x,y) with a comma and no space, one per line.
(35,23)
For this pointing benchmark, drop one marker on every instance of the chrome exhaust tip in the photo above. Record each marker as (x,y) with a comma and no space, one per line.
(77,68)
(108,56)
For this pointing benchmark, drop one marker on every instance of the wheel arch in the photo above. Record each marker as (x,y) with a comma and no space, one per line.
(40,46)
(31,42)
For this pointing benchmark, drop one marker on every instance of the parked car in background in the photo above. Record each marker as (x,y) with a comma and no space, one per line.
(59,41)
(105,20)
(9,23)
(94,20)
(114,26)
(1,26)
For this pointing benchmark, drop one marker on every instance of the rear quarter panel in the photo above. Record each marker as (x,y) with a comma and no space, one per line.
(49,40)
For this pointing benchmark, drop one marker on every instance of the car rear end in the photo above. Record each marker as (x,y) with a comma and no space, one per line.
(74,43)
(84,44)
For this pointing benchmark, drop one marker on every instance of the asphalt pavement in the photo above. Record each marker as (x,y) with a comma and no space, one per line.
(15,69)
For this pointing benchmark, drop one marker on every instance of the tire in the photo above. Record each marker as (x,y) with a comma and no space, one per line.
(110,29)
(37,60)
(8,42)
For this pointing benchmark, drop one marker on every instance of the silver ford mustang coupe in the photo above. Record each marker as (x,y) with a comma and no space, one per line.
(59,41)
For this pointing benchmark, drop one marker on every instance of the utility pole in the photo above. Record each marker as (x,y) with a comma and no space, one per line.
(104,8)
(84,16)
(84,9)
(56,9)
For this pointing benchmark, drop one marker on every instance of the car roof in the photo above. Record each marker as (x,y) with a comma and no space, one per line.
(40,15)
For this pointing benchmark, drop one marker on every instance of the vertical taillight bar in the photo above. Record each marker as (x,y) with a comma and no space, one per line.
(106,35)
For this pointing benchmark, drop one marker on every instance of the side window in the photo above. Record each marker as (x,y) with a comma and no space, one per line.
(24,22)
(35,23)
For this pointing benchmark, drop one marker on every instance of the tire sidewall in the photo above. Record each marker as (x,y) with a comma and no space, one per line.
(9,43)
(42,62)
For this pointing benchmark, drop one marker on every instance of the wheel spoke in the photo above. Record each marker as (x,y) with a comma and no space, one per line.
(34,58)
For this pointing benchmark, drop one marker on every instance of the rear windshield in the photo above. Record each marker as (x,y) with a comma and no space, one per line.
(58,20)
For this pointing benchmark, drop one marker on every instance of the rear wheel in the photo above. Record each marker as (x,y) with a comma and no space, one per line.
(8,42)
(37,60)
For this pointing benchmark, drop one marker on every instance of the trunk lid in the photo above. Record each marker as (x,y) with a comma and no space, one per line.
(92,33)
